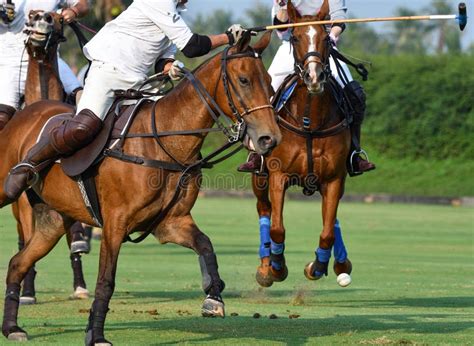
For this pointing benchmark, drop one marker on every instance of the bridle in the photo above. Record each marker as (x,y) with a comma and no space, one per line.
(52,37)
(309,57)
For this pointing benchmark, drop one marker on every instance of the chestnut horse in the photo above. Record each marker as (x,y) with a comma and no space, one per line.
(315,144)
(134,197)
(45,33)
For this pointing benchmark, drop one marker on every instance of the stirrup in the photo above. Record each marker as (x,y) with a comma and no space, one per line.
(30,182)
(262,162)
(361,152)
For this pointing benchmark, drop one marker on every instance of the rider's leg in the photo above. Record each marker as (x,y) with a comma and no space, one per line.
(356,95)
(282,66)
(75,133)
(6,113)
(71,84)
(13,66)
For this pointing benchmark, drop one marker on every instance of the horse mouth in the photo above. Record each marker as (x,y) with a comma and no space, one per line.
(248,143)
(316,89)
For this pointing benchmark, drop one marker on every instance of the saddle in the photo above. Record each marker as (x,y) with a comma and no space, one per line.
(284,92)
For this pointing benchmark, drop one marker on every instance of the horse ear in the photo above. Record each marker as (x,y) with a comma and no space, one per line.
(263,43)
(293,13)
(324,11)
(244,42)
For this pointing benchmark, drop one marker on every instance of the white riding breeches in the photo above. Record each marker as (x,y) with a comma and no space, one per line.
(101,81)
(14,68)
(283,64)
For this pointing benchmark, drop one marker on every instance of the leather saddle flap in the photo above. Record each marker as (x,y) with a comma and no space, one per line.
(80,161)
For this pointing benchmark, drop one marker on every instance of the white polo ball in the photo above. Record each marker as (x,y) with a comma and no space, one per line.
(344,279)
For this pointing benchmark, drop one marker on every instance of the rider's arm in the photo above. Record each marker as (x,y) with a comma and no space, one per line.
(75,9)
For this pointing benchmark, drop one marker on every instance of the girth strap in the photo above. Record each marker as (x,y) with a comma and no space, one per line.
(332,131)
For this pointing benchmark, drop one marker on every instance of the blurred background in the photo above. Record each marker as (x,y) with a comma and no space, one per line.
(420,117)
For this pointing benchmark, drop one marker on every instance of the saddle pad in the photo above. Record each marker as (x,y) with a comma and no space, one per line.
(285,96)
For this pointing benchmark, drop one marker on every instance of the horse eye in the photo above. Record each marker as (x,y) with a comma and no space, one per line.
(244,81)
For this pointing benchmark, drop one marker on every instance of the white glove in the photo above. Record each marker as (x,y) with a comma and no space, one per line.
(235,33)
(334,39)
(176,72)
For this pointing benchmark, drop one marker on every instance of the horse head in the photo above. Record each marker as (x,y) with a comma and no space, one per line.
(311,48)
(244,93)
(45,31)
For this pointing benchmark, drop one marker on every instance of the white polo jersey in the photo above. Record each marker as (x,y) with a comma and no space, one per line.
(145,31)
(23,8)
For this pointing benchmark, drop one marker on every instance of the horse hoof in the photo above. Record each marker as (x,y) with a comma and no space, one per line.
(80,293)
(344,267)
(25,300)
(279,275)
(308,272)
(18,336)
(213,308)
(88,340)
(344,279)
(263,280)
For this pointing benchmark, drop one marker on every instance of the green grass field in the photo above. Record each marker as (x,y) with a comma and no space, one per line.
(413,282)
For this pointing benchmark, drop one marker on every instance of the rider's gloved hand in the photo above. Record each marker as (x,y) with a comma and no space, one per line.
(176,71)
(69,14)
(334,39)
(10,12)
(235,33)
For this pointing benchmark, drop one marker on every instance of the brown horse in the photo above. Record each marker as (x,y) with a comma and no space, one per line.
(45,33)
(233,75)
(316,141)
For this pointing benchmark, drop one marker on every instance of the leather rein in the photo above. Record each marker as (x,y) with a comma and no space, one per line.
(233,130)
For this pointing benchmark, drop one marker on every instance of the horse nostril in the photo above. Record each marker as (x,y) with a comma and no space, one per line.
(307,77)
(266,142)
(321,77)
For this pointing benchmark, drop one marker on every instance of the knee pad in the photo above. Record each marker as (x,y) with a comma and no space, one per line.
(76,132)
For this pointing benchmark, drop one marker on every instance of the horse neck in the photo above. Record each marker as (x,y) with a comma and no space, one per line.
(46,69)
(182,109)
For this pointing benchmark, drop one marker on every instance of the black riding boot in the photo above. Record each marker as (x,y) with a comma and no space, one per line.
(254,164)
(64,140)
(6,113)
(356,163)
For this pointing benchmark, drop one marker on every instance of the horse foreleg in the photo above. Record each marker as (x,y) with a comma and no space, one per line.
(278,186)
(264,209)
(23,213)
(331,193)
(109,251)
(342,265)
(183,231)
(43,240)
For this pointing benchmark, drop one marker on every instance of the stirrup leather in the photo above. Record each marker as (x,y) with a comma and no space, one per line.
(363,154)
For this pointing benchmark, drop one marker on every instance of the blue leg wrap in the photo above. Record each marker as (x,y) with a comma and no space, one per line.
(265,236)
(340,253)
(322,256)
(277,249)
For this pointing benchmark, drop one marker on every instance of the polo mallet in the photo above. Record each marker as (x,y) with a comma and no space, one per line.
(461,18)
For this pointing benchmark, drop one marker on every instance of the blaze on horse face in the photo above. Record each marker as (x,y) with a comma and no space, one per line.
(44,29)
(311,48)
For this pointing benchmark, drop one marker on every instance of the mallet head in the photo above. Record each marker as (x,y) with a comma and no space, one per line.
(462,17)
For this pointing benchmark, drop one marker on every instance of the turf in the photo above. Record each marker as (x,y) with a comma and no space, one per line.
(412,282)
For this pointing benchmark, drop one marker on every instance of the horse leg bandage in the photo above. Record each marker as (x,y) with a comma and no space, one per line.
(210,275)
(265,240)
(277,250)
(340,253)
(12,300)
(322,261)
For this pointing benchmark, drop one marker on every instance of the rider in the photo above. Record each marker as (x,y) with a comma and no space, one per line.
(122,52)
(283,65)
(14,60)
